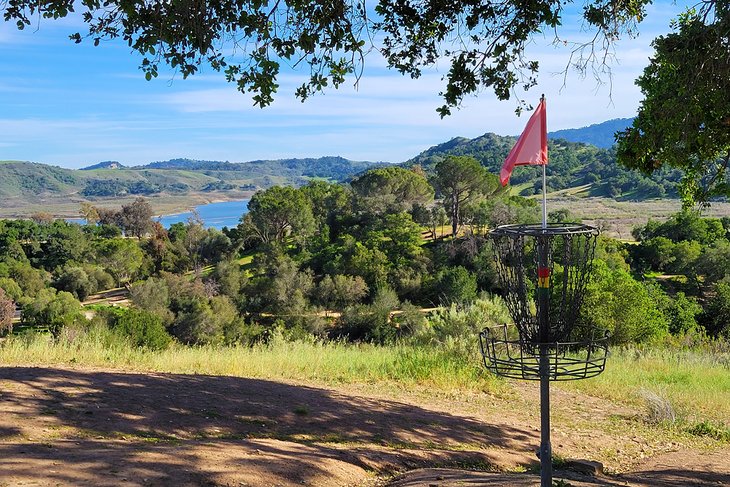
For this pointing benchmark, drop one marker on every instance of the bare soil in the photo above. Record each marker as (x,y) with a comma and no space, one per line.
(80,426)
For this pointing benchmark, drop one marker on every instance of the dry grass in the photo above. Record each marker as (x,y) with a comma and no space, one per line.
(617,218)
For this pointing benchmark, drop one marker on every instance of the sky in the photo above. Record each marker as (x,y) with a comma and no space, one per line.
(73,105)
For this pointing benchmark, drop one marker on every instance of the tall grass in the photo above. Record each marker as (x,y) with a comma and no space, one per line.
(695,381)
(319,361)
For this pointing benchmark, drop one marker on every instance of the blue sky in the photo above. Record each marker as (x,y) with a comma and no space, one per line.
(75,105)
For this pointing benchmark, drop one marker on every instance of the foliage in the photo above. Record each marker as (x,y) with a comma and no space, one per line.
(716,316)
(142,328)
(76,281)
(682,313)
(338,291)
(614,301)
(52,310)
(484,43)
(571,165)
(460,180)
(454,285)
(152,295)
(122,257)
(371,323)
(682,121)
(136,218)
(456,327)
(391,189)
(276,213)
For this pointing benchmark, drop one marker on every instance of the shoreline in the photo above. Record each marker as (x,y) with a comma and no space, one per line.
(163,205)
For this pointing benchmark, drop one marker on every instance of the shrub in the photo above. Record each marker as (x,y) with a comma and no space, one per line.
(144,329)
(455,285)
(52,310)
(616,302)
(716,317)
(75,281)
(370,323)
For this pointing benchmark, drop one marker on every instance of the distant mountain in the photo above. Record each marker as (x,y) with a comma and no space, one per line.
(599,134)
(584,167)
(104,165)
(23,184)
(329,167)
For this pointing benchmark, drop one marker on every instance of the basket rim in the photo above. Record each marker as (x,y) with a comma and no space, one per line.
(536,229)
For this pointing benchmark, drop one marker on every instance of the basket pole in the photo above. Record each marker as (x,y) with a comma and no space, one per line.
(543,296)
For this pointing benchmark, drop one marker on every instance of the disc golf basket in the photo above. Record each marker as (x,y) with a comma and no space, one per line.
(543,271)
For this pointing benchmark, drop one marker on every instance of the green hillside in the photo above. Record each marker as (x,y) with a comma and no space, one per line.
(572,164)
(28,187)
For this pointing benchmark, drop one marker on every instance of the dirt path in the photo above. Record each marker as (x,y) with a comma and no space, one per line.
(61,426)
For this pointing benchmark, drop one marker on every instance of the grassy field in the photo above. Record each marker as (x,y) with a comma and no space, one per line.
(693,383)
(321,362)
(617,218)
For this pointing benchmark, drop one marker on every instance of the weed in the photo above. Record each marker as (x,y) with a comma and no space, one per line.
(706,428)
(301,411)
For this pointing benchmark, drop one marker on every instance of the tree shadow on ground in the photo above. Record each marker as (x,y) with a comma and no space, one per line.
(172,427)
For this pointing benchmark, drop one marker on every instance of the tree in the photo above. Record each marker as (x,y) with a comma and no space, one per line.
(484,42)
(614,301)
(716,317)
(142,328)
(391,189)
(7,312)
(459,180)
(338,291)
(75,281)
(683,119)
(329,201)
(136,218)
(52,310)
(89,213)
(276,213)
(64,242)
(121,257)
(455,285)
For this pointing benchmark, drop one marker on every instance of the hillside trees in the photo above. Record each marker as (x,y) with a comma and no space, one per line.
(136,218)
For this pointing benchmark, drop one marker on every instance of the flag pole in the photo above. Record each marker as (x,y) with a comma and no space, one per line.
(544,186)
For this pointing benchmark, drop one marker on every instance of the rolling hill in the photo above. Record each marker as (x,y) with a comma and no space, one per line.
(28,187)
(590,169)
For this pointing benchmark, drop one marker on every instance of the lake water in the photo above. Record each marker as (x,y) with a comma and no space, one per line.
(214,215)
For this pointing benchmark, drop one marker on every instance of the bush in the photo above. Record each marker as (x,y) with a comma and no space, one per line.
(457,328)
(75,281)
(616,302)
(144,329)
(716,317)
(52,310)
(455,285)
(370,323)
(207,321)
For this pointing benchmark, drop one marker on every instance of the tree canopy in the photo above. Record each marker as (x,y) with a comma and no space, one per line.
(683,121)
(248,41)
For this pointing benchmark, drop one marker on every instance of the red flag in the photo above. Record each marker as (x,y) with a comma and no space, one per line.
(531,147)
